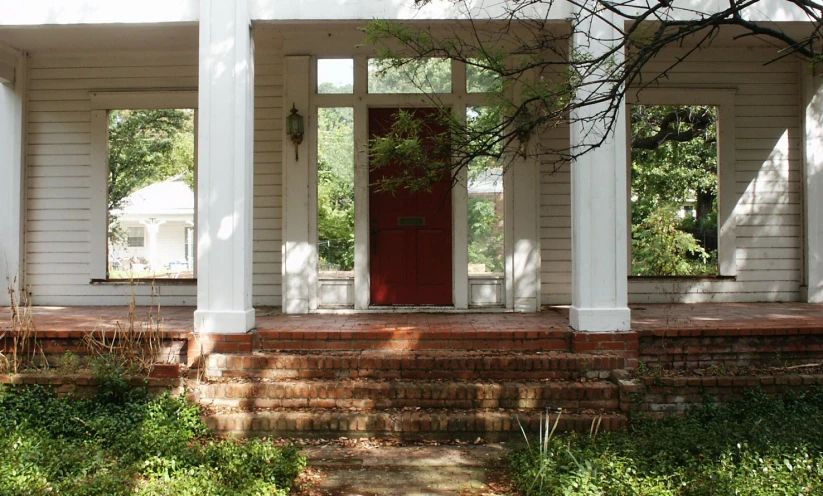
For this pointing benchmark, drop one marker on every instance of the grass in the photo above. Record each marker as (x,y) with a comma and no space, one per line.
(757,446)
(123,441)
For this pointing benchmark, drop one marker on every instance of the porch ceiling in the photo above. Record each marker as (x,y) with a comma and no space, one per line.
(102,38)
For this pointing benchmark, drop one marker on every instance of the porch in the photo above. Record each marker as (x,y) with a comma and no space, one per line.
(461,375)
(752,318)
(679,336)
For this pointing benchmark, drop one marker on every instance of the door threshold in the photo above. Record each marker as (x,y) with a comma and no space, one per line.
(413,309)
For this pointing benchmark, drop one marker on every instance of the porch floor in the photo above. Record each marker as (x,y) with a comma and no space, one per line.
(750,316)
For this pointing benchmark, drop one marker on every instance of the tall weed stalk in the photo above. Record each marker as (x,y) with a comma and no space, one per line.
(136,344)
(24,346)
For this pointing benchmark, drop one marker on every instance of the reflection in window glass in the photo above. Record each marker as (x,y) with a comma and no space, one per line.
(335,76)
(486,205)
(480,80)
(674,190)
(151,193)
(414,76)
(335,189)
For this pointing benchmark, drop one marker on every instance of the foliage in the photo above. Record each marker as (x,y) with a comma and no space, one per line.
(668,170)
(660,247)
(549,75)
(134,445)
(757,446)
(145,147)
(484,216)
(485,240)
(417,149)
(674,161)
(335,187)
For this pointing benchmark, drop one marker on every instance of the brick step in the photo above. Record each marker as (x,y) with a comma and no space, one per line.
(415,338)
(382,364)
(465,425)
(381,395)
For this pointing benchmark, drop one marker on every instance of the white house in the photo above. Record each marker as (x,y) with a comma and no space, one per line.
(158,224)
(244,64)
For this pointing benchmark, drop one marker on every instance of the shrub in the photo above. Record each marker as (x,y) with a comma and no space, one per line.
(757,446)
(124,442)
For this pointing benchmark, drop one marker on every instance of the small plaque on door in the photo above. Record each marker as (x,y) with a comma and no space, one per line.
(411,221)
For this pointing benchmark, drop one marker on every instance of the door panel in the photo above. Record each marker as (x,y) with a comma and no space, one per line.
(430,245)
(411,252)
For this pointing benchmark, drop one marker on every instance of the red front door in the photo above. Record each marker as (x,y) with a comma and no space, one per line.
(411,235)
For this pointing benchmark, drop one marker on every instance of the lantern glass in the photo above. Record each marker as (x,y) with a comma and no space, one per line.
(294,124)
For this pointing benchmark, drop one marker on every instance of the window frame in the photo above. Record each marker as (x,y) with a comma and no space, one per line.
(142,237)
(723,99)
(101,103)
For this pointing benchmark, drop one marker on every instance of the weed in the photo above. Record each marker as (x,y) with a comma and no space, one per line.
(24,346)
(138,445)
(69,363)
(756,446)
(135,345)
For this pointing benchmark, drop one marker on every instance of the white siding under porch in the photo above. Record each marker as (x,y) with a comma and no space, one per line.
(59,198)
(767,185)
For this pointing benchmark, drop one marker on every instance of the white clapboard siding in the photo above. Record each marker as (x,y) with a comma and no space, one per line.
(58,193)
(59,167)
(767,188)
(555,225)
(268,118)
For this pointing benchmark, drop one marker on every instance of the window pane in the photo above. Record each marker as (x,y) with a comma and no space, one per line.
(151,199)
(486,202)
(481,80)
(335,189)
(674,190)
(413,76)
(335,76)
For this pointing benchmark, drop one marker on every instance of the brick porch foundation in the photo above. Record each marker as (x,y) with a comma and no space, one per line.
(457,375)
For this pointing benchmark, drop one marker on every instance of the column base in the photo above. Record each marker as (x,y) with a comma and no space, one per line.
(223,322)
(811,295)
(600,319)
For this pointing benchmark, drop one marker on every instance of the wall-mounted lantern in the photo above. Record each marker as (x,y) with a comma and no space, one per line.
(294,128)
(523,128)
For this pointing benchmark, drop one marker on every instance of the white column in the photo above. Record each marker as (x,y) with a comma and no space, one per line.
(299,254)
(362,260)
(152,231)
(599,203)
(225,168)
(12,102)
(813,188)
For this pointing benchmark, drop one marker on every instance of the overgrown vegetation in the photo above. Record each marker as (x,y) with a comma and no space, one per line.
(674,166)
(335,188)
(147,146)
(25,351)
(122,441)
(757,446)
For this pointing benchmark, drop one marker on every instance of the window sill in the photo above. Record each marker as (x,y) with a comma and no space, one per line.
(682,278)
(145,282)
(486,275)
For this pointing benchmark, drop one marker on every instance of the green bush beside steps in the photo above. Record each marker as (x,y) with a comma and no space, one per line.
(123,441)
(757,446)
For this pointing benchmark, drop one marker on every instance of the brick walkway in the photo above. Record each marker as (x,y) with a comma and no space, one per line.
(752,316)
